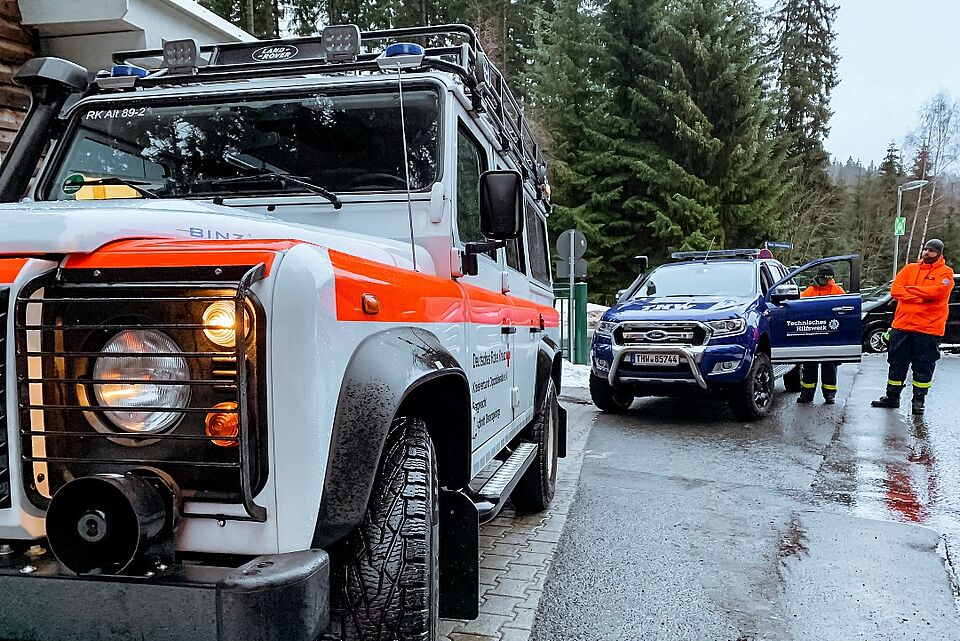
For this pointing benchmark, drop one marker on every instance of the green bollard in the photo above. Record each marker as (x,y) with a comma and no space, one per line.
(581,340)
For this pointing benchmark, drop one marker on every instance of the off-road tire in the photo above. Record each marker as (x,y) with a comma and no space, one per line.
(536,487)
(390,574)
(791,380)
(752,399)
(607,398)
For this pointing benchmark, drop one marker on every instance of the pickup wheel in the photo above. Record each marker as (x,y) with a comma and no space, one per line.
(875,340)
(791,380)
(536,487)
(390,585)
(607,397)
(751,400)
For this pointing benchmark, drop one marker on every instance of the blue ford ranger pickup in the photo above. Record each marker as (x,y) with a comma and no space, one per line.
(726,322)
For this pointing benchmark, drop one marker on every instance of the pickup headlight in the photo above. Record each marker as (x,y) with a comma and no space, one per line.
(140,362)
(606,327)
(729,327)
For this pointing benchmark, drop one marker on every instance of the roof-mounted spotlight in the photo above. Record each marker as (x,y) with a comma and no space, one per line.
(181,56)
(340,43)
(402,55)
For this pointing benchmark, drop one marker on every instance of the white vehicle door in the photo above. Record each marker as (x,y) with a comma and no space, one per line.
(489,341)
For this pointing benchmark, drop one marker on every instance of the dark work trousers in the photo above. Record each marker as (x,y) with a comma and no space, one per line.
(922,351)
(808,379)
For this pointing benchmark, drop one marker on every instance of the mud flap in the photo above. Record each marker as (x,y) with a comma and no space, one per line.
(459,556)
(562,433)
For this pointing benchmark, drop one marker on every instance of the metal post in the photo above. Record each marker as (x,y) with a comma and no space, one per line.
(896,237)
(572,322)
(583,347)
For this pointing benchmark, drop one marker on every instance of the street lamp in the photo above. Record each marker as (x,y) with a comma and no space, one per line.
(910,186)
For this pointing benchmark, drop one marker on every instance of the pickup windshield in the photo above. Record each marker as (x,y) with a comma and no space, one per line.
(338,142)
(735,279)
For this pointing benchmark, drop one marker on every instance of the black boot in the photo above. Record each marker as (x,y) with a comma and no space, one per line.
(918,404)
(886,401)
(891,399)
(829,398)
(806,396)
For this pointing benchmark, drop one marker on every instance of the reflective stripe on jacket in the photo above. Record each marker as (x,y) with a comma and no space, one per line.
(923,295)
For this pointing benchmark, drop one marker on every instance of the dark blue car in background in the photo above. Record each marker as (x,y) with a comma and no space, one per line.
(725,322)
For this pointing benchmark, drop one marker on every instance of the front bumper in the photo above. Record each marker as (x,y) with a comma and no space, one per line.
(697,363)
(279,597)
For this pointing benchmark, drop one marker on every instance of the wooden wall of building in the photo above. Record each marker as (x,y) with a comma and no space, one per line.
(17,45)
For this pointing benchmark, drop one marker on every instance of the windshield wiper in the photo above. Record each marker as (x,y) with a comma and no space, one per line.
(282,179)
(126,182)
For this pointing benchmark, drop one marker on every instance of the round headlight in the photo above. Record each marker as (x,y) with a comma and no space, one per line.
(144,366)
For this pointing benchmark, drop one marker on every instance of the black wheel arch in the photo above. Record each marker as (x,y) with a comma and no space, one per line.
(395,372)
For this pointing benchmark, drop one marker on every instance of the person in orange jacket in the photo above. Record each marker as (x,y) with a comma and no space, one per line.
(823,285)
(922,290)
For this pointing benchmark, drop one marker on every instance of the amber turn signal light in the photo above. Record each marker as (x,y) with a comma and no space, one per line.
(371,304)
(223,424)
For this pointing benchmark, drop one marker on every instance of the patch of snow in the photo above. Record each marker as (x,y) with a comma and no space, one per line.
(575,375)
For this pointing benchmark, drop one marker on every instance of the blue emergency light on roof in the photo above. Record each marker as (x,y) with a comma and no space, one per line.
(402,55)
(128,70)
(403,49)
(719,254)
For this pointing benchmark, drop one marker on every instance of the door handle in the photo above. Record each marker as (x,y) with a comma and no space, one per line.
(508,330)
(843,308)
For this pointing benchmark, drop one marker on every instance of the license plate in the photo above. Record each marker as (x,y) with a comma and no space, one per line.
(656,360)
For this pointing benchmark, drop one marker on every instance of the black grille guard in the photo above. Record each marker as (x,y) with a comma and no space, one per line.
(26,377)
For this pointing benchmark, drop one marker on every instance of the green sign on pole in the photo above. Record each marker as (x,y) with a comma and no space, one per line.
(899,226)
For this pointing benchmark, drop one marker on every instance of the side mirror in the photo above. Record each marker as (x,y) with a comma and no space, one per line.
(784,292)
(643,263)
(501,205)
(620,293)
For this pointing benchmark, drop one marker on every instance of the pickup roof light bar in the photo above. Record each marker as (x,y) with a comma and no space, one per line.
(723,254)
(345,49)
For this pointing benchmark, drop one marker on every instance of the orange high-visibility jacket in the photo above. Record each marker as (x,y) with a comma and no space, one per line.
(830,289)
(923,295)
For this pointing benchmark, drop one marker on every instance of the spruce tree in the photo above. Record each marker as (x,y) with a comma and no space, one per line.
(805,75)
(566,103)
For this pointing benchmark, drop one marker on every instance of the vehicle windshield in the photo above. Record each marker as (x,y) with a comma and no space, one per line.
(340,142)
(735,279)
(876,292)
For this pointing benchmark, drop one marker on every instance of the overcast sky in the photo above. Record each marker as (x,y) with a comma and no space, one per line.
(895,55)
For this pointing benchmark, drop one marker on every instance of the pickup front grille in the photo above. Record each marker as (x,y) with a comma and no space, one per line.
(64,320)
(4,448)
(653,333)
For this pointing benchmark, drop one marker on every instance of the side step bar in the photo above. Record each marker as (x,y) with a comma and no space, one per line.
(495,492)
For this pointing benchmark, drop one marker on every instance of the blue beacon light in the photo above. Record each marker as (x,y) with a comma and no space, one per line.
(128,70)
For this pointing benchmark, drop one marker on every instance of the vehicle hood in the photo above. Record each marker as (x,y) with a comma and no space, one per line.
(701,308)
(30,229)
(869,306)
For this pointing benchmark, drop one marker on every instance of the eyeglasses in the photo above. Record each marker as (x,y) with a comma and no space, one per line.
(930,250)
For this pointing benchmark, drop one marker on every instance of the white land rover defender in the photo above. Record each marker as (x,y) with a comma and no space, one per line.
(269,311)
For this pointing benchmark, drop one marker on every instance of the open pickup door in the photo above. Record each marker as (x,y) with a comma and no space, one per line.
(816,328)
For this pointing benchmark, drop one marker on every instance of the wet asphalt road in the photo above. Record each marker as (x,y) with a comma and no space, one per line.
(820,523)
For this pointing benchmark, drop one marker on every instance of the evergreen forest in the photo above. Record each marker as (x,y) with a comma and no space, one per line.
(685,125)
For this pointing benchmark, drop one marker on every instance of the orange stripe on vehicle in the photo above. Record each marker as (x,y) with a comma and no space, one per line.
(131,254)
(10,268)
(408,296)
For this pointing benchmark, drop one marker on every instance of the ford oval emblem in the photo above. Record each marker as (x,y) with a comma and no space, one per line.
(271,53)
(656,335)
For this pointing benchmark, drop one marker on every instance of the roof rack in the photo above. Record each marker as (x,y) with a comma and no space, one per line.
(717,254)
(488,90)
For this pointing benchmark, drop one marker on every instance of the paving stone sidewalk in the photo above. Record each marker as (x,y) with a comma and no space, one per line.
(516,553)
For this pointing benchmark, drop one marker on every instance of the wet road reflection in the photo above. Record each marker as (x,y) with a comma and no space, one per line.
(887,464)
